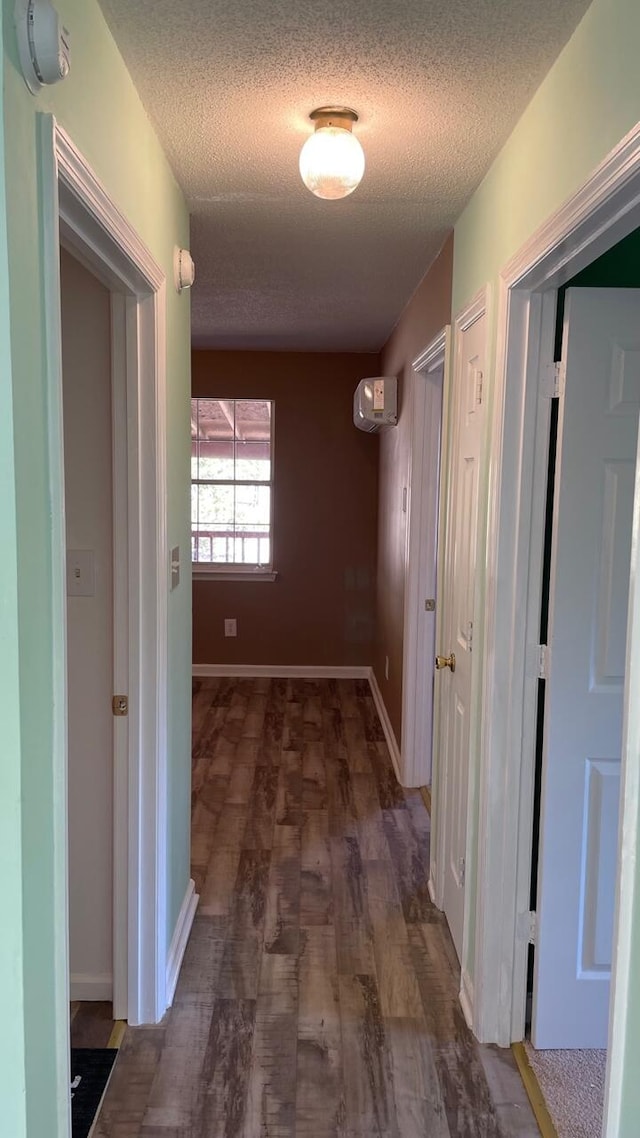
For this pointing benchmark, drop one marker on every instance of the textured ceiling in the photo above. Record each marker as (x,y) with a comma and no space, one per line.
(229,85)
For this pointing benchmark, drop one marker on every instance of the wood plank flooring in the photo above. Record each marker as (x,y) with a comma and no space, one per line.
(319,992)
(91,1023)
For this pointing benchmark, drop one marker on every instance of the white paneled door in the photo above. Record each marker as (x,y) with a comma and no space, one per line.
(454,672)
(591,549)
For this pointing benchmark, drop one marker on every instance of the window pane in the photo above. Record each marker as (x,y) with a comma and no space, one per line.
(215,506)
(253,420)
(253,507)
(253,461)
(231,443)
(213,418)
(216,459)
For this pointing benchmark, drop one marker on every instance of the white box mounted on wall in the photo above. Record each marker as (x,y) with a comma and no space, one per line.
(375,403)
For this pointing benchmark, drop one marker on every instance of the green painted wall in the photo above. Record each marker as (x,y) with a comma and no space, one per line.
(98,106)
(588,102)
(12,1057)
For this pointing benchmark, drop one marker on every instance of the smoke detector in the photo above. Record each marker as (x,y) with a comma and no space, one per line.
(43,44)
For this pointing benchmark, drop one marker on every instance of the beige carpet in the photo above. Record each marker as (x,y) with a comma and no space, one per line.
(572,1083)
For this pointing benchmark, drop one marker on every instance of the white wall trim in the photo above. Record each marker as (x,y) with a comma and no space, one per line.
(433,355)
(421,537)
(436,871)
(78,207)
(604,210)
(84,986)
(53,358)
(119,368)
(477,308)
(391,741)
(591,221)
(285,671)
(467,997)
(180,939)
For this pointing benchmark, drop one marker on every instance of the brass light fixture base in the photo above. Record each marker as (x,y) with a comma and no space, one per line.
(342,117)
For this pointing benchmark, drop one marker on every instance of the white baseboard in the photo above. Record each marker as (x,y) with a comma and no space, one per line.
(180,938)
(88,986)
(466,998)
(392,742)
(285,671)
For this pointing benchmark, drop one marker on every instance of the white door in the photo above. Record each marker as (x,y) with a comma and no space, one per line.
(421,586)
(458,618)
(591,549)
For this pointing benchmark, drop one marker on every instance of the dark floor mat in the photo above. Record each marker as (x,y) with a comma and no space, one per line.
(90,1071)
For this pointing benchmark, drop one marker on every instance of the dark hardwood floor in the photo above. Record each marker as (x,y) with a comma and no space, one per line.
(319,992)
(92,1023)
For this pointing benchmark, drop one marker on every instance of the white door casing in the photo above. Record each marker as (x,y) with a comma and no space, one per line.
(604,210)
(421,560)
(591,551)
(459,593)
(75,205)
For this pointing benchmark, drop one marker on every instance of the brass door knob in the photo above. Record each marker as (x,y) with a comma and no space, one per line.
(446,662)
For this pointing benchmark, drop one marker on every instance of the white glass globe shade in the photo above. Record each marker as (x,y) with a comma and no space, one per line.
(331,162)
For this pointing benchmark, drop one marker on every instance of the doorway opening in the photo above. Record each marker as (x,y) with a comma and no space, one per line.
(421,592)
(593,435)
(78,213)
(604,211)
(88,485)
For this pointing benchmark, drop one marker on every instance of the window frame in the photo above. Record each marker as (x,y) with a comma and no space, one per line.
(239,570)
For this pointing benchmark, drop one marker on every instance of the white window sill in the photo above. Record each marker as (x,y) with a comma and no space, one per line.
(210,573)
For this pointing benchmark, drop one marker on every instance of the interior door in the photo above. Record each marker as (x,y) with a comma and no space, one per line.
(454,675)
(591,549)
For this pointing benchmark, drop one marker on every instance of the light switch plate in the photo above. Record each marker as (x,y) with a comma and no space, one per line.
(81,573)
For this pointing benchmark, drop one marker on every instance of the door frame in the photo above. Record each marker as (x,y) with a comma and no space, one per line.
(77,206)
(478,307)
(603,211)
(417,667)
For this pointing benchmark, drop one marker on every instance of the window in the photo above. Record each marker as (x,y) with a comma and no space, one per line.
(231,485)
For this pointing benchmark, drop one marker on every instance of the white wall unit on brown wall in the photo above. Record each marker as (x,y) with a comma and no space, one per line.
(86,351)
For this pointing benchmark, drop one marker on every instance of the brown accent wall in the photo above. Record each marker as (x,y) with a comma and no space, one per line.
(320,610)
(425,316)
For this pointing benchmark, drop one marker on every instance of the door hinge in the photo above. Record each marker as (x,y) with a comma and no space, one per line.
(430,604)
(120,705)
(528,927)
(479,378)
(553,377)
(543,661)
(462,868)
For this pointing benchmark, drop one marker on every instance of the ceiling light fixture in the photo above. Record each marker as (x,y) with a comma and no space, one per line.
(332,159)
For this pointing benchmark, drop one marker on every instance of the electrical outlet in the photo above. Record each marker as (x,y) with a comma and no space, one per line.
(230,626)
(386,667)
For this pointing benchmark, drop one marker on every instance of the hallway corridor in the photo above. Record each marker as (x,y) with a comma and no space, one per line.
(318,996)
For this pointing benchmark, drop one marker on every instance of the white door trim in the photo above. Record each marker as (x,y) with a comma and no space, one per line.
(476,308)
(417,667)
(601,213)
(120,367)
(76,204)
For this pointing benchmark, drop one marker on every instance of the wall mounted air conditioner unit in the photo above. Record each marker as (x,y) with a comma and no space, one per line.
(375,403)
